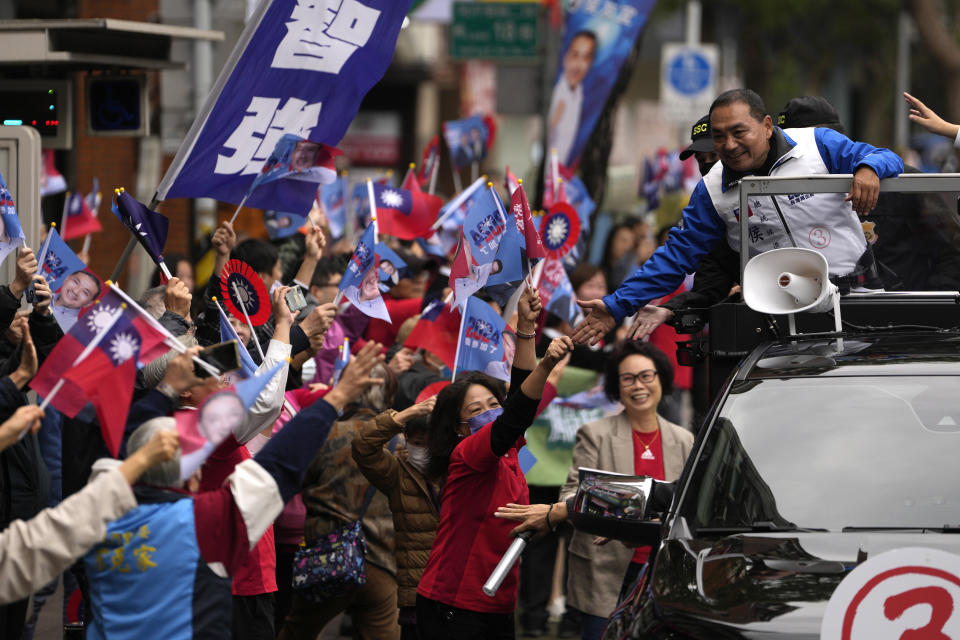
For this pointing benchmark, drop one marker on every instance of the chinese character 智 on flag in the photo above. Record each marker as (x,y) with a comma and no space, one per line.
(300,67)
(482,343)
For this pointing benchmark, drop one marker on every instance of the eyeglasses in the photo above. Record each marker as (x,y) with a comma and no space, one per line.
(630,379)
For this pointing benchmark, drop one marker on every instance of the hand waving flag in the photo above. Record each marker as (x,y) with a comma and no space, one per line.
(360,282)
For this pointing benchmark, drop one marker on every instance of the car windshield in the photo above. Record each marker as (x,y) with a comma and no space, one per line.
(831,453)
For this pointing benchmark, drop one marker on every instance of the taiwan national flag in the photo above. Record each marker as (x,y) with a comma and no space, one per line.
(98,360)
(437,332)
(405,214)
(148,227)
(80,219)
(11,235)
(481,341)
(361,282)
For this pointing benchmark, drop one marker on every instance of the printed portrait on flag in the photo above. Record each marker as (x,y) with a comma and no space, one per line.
(200,434)
(467,140)
(74,288)
(361,280)
(597,39)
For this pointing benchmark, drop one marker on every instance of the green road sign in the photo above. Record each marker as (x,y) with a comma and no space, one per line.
(494,30)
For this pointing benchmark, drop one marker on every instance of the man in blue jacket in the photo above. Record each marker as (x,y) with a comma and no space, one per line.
(749,144)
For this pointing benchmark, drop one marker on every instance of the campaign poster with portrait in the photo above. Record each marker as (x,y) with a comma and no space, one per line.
(598,36)
(467,139)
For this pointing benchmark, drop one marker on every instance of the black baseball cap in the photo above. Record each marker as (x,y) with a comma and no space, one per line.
(700,137)
(808,111)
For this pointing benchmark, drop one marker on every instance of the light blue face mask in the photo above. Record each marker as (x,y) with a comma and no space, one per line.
(480,420)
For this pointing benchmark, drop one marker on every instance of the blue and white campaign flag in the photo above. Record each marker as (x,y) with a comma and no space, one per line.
(361,281)
(58,261)
(476,257)
(510,263)
(333,197)
(11,236)
(598,38)
(482,343)
(300,67)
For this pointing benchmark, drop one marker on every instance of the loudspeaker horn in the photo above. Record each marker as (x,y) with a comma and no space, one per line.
(784,281)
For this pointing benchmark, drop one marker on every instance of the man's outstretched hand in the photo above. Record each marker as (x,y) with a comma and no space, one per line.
(597,322)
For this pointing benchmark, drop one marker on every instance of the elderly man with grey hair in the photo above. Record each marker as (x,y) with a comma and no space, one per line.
(163,569)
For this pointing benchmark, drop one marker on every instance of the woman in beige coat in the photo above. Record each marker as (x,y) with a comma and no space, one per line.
(635,441)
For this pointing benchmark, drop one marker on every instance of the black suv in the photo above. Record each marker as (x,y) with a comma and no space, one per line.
(813,459)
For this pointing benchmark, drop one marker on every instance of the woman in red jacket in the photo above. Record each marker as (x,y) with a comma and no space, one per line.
(475,435)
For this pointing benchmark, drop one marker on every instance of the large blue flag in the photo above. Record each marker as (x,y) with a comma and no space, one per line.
(148,227)
(300,67)
(11,236)
(482,341)
(292,162)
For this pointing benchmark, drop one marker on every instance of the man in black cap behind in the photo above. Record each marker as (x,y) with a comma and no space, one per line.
(701,146)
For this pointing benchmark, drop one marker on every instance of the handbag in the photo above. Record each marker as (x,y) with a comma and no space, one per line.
(334,565)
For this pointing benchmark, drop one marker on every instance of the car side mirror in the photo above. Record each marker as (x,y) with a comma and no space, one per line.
(622,507)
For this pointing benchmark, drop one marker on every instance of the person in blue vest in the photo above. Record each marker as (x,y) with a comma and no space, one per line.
(748,143)
(163,570)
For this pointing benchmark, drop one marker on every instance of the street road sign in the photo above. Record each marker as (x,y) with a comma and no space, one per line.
(688,80)
(494,30)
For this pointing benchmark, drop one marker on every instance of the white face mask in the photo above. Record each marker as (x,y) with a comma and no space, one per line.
(419,457)
(276,285)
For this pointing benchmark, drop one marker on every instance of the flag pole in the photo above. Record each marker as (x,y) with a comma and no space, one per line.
(373,211)
(45,247)
(240,206)
(555,170)
(83,354)
(454,204)
(170,340)
(89,237)
(457,185)
(253,332)
(63,216)
(456,356)
(433,174)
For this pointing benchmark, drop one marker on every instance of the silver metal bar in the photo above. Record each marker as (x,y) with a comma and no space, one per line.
(835,183)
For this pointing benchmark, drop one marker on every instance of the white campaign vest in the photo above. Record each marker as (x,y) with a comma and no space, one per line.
(821,221)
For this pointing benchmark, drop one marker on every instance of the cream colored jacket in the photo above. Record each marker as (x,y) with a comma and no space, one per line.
(32,553)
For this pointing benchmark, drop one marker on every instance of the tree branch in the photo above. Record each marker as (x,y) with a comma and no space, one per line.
(931,25)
